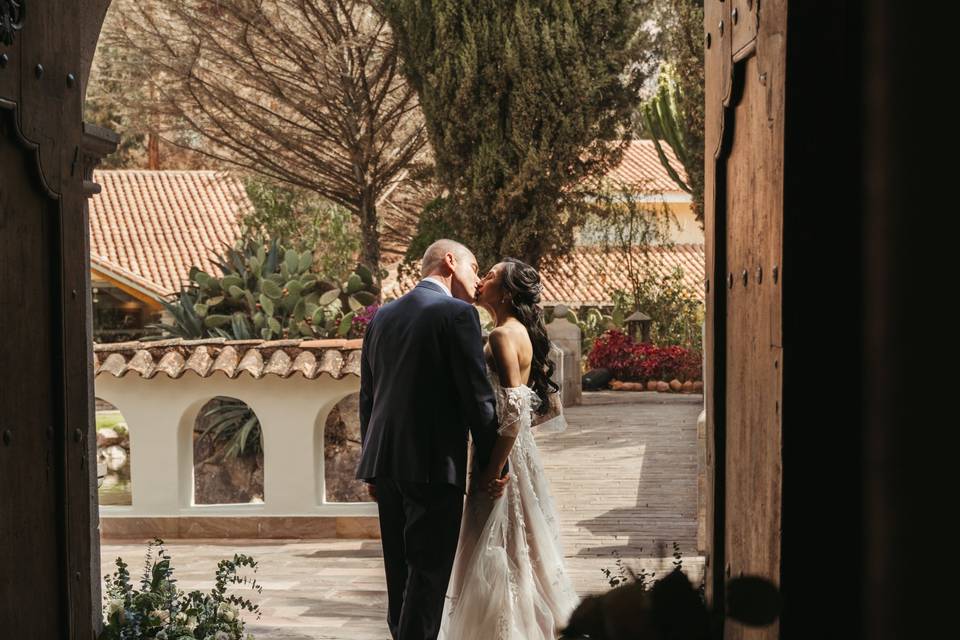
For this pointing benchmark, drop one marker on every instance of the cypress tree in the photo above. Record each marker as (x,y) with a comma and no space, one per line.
(524,102)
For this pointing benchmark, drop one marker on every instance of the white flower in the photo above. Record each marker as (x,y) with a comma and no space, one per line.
(191,623)
(181,617)
(116,606)
(228,611)
(222,635)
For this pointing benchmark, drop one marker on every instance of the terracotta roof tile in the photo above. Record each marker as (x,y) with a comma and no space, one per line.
(150,227)
(257,358)
(589,275)
(155,225)
(641,166)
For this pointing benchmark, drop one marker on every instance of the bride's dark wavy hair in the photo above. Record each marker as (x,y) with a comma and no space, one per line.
(522,283)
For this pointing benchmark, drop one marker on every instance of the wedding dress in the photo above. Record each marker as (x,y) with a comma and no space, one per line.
(509,581)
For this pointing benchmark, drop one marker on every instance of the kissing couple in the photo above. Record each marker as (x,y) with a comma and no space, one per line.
(490,567)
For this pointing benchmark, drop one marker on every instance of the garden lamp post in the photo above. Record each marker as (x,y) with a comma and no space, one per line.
(638,326)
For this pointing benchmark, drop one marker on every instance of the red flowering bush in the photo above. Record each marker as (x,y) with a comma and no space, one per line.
(612,350)
(640,362)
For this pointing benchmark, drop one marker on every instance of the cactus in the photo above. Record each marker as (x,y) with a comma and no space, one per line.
(662,117)
(267,291)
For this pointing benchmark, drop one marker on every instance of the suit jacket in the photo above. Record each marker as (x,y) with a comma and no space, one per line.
(423,386)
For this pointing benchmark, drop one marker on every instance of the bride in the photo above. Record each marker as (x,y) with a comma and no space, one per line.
(509,581)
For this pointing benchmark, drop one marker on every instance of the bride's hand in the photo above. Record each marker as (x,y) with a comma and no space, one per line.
(490,481)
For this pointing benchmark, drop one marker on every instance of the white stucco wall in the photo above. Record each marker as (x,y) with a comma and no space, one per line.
(161,413)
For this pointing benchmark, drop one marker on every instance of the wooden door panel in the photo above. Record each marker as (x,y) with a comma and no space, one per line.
(743,20)
(753,205)
(31,449)
(743,230)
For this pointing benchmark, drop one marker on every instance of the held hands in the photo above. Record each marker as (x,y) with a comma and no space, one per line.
(491,482)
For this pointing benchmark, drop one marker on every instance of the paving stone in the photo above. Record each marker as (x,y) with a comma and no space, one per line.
(624,478)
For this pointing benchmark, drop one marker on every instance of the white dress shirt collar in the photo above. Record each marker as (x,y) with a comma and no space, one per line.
(436,280)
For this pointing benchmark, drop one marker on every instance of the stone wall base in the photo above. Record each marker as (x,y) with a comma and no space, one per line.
(268,527)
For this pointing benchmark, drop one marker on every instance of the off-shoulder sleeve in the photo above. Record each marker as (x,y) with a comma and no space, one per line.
(553,421)
(515,410)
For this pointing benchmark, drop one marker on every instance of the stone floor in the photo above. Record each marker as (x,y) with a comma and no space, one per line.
(624,478)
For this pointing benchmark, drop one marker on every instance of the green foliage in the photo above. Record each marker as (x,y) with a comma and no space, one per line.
(114,71)
(593,323)
(622,574)
(159,609)
(303,221)
(270,292)
(523,102)
(623,221)
(676,315)
(663,119)
(681,78)
(233,426)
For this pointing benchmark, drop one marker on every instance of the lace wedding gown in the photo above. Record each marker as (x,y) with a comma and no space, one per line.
(509,581)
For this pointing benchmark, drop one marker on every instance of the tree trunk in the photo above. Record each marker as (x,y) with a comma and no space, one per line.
(370,233)
(153,151)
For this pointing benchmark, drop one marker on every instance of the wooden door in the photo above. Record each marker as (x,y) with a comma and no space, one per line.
(49,565)
(745,60)
(784,273)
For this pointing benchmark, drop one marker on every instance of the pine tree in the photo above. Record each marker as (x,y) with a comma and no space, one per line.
(524,102)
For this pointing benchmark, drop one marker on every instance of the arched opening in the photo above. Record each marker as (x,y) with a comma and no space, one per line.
(113,456)
(339,433)
(227,453)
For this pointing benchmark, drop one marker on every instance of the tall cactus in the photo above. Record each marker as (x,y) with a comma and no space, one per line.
(267,291)
(661,114)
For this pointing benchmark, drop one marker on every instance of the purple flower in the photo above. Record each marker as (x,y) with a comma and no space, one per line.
(363,318)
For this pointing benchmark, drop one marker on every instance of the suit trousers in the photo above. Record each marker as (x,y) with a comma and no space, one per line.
(419,529)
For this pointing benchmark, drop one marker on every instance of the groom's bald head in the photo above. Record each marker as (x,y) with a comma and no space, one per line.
(435,255)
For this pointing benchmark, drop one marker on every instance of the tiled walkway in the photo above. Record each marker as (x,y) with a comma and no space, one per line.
(624,477)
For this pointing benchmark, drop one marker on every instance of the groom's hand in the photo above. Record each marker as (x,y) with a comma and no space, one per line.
(497,486)
(372,491)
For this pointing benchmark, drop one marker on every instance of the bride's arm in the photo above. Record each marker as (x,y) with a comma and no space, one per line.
(507,363)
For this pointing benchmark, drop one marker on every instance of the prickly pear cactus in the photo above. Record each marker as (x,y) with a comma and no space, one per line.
(268,291)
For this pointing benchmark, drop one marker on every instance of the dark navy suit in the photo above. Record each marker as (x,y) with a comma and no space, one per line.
(423,387)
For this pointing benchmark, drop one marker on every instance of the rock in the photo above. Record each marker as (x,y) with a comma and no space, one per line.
(663,387)
(675,385)
(698,386)
(688,386)
(596,379)
(341,454)
(114,457)
(651,385)
(237,480)
(108,437)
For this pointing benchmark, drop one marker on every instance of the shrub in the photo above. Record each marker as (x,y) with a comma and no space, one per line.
(158,609)
(640,362)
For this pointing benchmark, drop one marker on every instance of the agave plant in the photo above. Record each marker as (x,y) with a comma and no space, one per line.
(267,291)
(233,426)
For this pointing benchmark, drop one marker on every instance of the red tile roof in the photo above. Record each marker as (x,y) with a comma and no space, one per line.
(589,275)
(641,166)
(150,227)
(257,358)
(155,225)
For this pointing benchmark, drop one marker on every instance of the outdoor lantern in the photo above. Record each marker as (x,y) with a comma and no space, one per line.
(638,324)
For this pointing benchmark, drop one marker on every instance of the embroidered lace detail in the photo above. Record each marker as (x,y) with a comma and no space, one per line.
(515,409)
(509,580)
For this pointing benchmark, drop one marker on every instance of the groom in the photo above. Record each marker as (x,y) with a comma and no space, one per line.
(423,384)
